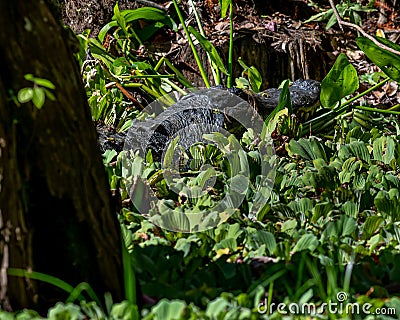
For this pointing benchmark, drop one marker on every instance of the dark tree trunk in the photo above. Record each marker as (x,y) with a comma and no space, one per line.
(56,215)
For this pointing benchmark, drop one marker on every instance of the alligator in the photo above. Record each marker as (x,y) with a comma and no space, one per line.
(190,120)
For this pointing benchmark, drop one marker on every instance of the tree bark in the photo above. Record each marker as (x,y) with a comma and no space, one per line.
(56,215)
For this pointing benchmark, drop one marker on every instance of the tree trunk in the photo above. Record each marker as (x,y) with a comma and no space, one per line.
(56,215)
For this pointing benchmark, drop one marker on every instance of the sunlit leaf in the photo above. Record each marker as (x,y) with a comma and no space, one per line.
(44,83)
(307,242)
(224,4)
(25,95)
(387,61)
(309,149)
(371,225)
(341,81)
(38,97)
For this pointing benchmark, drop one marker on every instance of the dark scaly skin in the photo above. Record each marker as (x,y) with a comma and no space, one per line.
(304,96)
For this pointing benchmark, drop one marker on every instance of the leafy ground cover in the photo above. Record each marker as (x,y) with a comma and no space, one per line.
(331,230)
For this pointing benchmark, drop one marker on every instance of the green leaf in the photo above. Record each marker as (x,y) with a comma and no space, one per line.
(224,4)
(25,95)
(29,77)
(266,238)
(65,311)
(289,225)
(332,21)
(49,95)
(44,83)
(119,18)
(308,149)
(171,310)
(341,81)
(216,308)
(210,49)
(254,76)
(384,149)
(284,101)
(108,155)
(38,97)
(371,225)
(388,204)
(228,243)
(125,311)
(149,13)
(105,29)
(349,225)
(325,15)
(307,242)
(387,61)
(98,52)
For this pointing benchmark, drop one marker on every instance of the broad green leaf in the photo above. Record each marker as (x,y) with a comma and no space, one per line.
(29,77)
(350,209)
(44,83)
(65,311)
(266,238)
(384,149)
(234,231)
(25,95)
(349,225)
(38,97)
(374,241)
(308,149)
(159,18)
(171,219)
(216,307)
(321,209)
(301,205)
(307,242)
(289,225)
(371,225)
(125,311)
(359,150)
(341,81)
(171,310)
(228,243)
(387,61)
(210,49)
(108,155)
(388,204)
(284,99)
(184,244)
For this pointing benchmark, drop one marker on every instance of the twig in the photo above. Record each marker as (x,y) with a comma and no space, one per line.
(359,29)
(127,94)
(152,4)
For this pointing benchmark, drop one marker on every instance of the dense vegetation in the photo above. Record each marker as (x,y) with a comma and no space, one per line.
(330,231)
